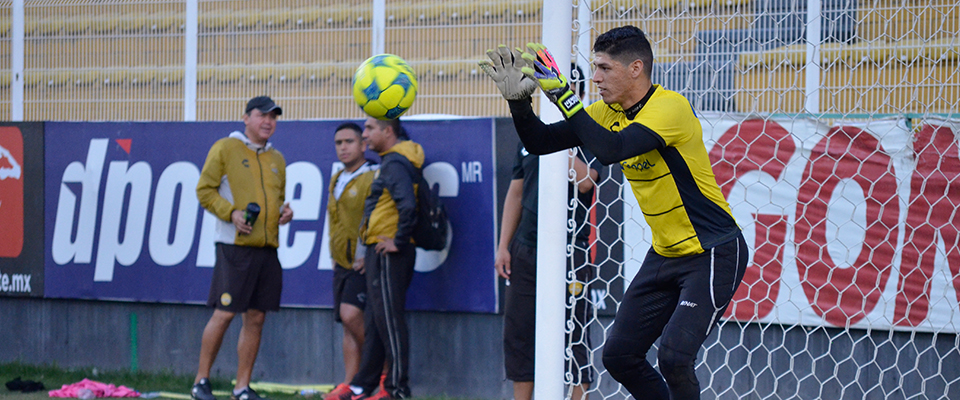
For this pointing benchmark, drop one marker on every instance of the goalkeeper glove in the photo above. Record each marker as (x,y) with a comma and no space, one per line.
(543,68)
(504,68)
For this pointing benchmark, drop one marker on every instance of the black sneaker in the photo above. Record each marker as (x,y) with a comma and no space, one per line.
(202,390)
(247,394)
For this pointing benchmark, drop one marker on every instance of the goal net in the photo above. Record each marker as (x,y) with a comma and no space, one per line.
(832,129)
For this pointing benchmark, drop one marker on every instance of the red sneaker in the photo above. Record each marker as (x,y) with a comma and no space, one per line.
(341,392)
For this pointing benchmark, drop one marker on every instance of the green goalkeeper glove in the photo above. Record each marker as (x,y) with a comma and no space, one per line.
(504,68)
(543,68)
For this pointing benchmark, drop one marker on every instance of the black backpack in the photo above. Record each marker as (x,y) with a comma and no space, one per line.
(430,232)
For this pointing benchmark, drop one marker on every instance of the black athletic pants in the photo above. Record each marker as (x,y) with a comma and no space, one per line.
(678,300)
(385,324)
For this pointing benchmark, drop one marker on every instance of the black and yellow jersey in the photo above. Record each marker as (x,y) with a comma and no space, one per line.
(659,145)
(674,185)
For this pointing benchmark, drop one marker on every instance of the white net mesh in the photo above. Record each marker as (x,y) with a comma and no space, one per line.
(849,201)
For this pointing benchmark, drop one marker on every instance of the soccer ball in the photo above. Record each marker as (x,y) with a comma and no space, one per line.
(384,86)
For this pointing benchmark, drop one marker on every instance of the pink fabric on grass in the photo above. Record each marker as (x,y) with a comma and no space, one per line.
(98,389)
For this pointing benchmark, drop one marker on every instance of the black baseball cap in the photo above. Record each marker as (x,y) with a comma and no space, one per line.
(264,104)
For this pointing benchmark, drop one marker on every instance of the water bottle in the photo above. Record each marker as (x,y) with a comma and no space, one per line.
(251,213)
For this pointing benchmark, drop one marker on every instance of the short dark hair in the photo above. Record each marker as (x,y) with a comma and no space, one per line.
(350,125)
(397,127)
(626,44)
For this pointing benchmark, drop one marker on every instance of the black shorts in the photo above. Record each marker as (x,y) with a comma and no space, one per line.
(246,278)
(519,316)
(349,287)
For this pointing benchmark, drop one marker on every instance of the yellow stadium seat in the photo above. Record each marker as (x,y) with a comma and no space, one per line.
(84,77)
(5,80)
(306,16)
(458,10)
(344,72)
(876,52)
(493,9)
(527,8)
(289,73)
(334,15)
(169,76)
(276,18)
(229,73)
(104,23)
(945,49)
(216,20)
(205,74)
(908,51)
(258,73)
(317,72)
(245,19)
(651,5)
(75,25)
(792,55)
(141,76)
(113,77)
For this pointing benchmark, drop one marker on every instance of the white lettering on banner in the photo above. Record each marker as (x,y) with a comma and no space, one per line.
(64,248)
(17,283)
(111,248)
(127,196)
(306,207)
(445,175)
(184,175)
(472,171)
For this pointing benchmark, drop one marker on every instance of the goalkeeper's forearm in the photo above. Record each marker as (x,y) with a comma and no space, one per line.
(539,138)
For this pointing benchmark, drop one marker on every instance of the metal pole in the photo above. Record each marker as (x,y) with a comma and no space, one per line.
(190,54)
(378,27)
(812,69)
(551,222)
(16,61)
(584,48)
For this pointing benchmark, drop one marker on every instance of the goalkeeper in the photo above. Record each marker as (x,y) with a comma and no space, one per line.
(698,255)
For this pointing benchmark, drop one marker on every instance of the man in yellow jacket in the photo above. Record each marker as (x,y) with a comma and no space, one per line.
(349,188)
(390,213)
(242,183)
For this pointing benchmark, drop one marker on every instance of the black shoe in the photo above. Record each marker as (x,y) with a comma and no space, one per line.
(24,386)
(202,390)
(247,394)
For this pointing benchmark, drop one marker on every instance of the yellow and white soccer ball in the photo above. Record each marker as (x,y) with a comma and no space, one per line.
(384,86)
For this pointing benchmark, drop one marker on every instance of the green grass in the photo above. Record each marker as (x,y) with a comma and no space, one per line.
(53,377)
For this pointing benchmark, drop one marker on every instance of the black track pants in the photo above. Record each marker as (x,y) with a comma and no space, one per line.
(385,323)
(678,300)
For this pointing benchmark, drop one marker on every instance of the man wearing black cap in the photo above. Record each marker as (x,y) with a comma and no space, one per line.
(243,183)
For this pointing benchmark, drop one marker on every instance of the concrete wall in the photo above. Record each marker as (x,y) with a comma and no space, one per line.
(460,355)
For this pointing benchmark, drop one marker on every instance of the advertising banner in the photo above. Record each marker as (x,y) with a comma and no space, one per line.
(853,225)
(21,207)
(123,221)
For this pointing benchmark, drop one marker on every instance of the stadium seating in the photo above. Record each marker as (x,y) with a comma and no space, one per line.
(858,78)
(305,53)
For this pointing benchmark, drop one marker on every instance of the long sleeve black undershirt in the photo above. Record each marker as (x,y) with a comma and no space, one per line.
(581,130)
